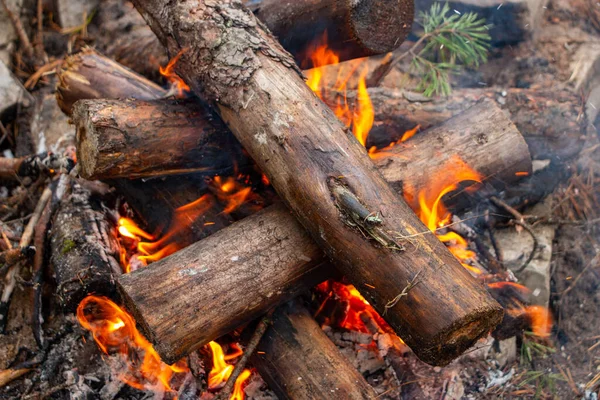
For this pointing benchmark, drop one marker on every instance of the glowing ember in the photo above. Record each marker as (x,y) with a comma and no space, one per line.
(114,331)
(176,82)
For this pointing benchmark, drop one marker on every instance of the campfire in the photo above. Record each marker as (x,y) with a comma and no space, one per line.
(255,200)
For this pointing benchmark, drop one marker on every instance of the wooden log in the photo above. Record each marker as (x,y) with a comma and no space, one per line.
(116,137)
(84,250)
(89,75)
(135,139)
(352,29)
(270,255)
(298,361)
(325,177)
(546,131)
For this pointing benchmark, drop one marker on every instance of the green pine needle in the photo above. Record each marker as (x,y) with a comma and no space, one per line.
(450,41)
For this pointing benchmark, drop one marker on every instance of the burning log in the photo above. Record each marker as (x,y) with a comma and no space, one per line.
(350,211)
(140,139)
(84,251)
(298,360)
(89,75)
(353,29)
(271,256)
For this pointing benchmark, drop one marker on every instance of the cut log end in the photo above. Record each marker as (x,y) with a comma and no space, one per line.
(461,336)
(381,26)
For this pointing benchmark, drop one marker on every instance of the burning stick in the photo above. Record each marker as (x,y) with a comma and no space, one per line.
(271,256)
(305,152)
(353,29)
(299,361)
(33,166)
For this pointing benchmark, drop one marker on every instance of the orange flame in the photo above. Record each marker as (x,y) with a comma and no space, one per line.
(540,319)
(361,115)
(432,211)
(221,371)
(238,392)
(231,192)
(114,331)
(176,82)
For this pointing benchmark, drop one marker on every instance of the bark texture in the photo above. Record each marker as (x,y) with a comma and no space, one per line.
(352,29)
(271,256)
(135,138)
(84,251)
(89,75)
(151,139)
(298,361)
(325,176)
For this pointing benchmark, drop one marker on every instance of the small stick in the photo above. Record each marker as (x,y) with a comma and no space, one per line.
(38,273)
(519,220)
(11,276)
(261,328)
(23,38)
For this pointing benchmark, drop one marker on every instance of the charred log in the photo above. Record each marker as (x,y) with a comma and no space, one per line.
(269,255)
(33,166)
(299,361)
(84,251)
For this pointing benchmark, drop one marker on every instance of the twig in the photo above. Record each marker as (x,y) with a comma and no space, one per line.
(11,256)
(10,279)
(413,282)
(39,38)
(23,38)
(519,220)
(261,328)
(38,273)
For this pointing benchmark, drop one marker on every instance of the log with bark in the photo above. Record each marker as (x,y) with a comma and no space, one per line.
(108,140)
(135,138)
(89,75)
(269,254)
(351,29)
(152,139)
(84,250)
(298,361)
(325,176)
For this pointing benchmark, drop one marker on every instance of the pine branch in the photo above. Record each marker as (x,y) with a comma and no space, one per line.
(449,42)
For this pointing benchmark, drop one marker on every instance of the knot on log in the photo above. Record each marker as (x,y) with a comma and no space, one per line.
(356,215)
